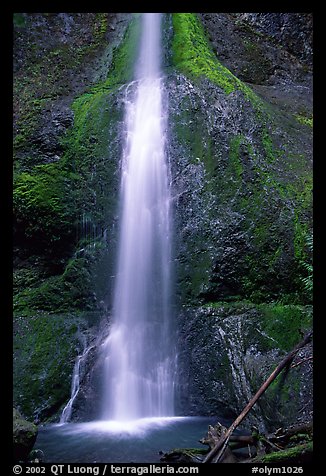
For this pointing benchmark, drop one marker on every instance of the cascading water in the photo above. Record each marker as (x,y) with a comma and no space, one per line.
(75,382)
(138,353)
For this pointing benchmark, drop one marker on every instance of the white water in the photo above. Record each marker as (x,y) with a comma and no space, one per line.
(138,379)
(75,382)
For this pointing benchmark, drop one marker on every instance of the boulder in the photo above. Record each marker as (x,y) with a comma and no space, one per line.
(24,436)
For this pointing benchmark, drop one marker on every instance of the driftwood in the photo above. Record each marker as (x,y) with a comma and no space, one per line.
(282,436)
(285,444)
(214,434)
(215,455)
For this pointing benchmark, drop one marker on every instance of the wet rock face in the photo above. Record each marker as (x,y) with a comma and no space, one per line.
(228,210)
(263,48)
(227,353)
(236,159)
(46,139)
(291,31)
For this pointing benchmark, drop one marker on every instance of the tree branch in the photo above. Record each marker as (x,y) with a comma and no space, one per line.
(217,452)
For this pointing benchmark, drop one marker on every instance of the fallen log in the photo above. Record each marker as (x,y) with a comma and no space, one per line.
(213,436)
(216,453)
(282,436)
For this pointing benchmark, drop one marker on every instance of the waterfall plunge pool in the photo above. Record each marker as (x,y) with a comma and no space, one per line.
(138,441)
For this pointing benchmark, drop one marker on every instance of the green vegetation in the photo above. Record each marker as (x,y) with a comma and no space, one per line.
(308,267)
(42,370)
(281,325)
(234,157)
(43,205)
(47,75)
(297,454)
(68,291)
(122,67)
(193,56)
(302,119)
(285,324)
(255,187)
(61,209)
(24,436)
(19,20)
(93,145)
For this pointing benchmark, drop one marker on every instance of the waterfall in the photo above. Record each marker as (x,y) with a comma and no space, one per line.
(138,379)
(75,381)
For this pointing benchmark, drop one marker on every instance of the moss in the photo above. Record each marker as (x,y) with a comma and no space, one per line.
(285,389)
(19,20)
(59,208)
(122,67)
(91,145)
(299,453)
(285,324)
(303,119)
(268,145)
(48,74)
(43,205)
(49,295)
(271,253)
(265,179)
(45,346)
(100,25)
(24,436)
(193,56)
(65,292)
(234,156)
(60,203)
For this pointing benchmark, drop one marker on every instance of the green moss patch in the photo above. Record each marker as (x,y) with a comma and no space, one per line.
(285,324)
(297,454)
(303,119)
(45,346)
(193,56)
(43,204)
(71,290)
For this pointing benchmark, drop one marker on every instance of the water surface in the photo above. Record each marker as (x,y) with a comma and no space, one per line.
(139,441)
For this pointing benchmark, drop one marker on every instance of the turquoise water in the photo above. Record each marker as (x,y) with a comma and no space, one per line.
(140,441)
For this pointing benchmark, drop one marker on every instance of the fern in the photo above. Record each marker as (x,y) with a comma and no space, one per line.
(307,281)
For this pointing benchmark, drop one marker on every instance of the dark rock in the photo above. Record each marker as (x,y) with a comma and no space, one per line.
(263,48)
(228,350)
(226,212)
(184,455)
(47,138)
(291,31)
(24,436)
(36,456)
